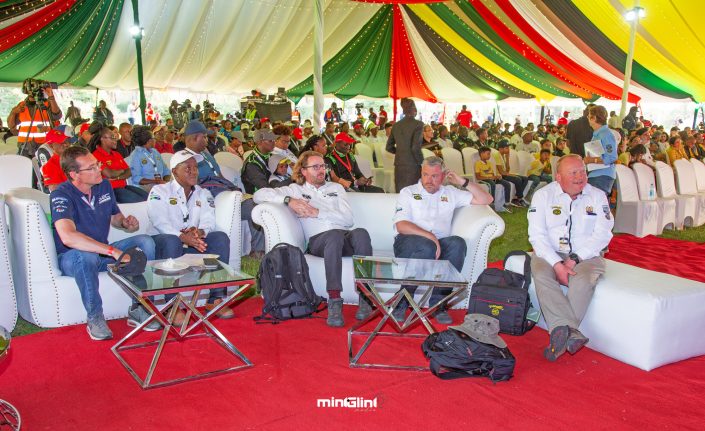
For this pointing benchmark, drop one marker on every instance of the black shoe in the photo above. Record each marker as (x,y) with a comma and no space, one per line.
(576,341)
(558,343)
(335,313)
(364,308)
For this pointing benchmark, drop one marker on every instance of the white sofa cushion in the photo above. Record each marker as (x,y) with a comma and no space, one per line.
(643,318)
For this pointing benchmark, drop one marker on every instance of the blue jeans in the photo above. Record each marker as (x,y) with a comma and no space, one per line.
(603,182)
(84,266)
(130,194)
(453,249)
(170,246)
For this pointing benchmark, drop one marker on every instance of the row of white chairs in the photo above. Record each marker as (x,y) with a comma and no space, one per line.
(652,199)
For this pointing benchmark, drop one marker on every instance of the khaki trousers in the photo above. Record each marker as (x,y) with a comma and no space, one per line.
(565,310)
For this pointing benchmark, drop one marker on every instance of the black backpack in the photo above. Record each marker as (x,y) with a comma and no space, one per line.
(286,286)
(504,295)
(455,355)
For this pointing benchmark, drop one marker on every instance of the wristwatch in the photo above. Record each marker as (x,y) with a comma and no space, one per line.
(287,199)
(467,181)
(574,257)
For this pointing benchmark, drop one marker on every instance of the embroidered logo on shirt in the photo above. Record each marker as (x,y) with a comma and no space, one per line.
(173,201)
(417,196)
(589,210)
(198,203)
(306,196)
(556,210)
(532,209)
(332,194)
(398,209)
(154,198)
(606,210)
(144,161)
(104,198)
(444,198)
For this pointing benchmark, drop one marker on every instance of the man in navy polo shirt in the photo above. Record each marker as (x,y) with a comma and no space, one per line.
(82,210)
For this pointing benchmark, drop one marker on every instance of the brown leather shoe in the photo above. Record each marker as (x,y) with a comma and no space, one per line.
(179,318)
(224,313)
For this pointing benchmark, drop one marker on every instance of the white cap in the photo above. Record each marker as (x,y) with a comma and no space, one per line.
(182,156)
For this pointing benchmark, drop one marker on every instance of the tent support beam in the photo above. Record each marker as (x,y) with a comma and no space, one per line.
(630,59)
(138,48)
(317,64)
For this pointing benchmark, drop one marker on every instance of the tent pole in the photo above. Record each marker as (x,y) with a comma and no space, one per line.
(543,110)
(394,101)
(695,116)
(317,64)
(138,48)
(630,58)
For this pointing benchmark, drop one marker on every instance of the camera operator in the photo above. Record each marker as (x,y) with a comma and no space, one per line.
(34,116)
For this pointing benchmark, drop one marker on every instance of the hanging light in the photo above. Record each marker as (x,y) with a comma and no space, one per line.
(136,32)
(635,13)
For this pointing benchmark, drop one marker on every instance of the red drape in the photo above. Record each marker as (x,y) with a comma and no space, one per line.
(405,79)
(21,30)
(556,63)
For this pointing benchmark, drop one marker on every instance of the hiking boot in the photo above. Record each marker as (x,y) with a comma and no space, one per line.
(137,314)
(576,341)
(335,313)
(364,308)
(224,313)
(442,317)
(558,343)
(98,329)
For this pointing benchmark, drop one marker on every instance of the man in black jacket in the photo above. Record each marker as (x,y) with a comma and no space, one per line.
(405,142)
(579,132)
(344,169)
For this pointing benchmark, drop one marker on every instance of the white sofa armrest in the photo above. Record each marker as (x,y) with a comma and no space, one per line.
(279,225)
(227,219)
(478,225)
(8,301)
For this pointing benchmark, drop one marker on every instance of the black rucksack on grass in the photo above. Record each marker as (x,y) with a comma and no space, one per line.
(286,286)
(454,355)
(504,295)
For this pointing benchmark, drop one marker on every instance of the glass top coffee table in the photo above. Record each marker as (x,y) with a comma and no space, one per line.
(193,279)
(373,271)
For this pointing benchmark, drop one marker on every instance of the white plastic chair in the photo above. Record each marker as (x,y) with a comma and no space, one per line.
(387,179)
(7,149)
(453,160)
(166,157)
(380,148)
(468,162)
(364,151)
(645,181)
(12,142)
(426,153)
(634,216)
(666,185)
(230,164)
(699,169)
(686,185)
(365,167)
(554,165)
(15,171)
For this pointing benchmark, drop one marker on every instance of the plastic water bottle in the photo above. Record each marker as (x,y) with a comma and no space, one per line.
(652,192)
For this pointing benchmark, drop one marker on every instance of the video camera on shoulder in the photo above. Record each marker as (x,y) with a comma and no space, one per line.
(35,88)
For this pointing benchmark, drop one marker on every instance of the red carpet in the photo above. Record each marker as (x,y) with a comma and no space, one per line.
(60,380)
(682,258)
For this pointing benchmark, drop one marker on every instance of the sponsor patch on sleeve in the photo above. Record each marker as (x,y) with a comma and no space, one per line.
(606,210)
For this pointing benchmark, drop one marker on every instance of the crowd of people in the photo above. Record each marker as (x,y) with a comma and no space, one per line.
(89,167)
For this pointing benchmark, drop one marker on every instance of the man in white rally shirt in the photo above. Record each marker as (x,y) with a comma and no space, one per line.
(423,219)
(569,225)
(183,221)
(326,218)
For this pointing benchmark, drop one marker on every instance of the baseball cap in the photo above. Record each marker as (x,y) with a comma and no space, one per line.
(182,156)
(503,144)
(482,328)
(57,136)
(275,160)
(194,127)
(344,137)
(264,135)
(84,127)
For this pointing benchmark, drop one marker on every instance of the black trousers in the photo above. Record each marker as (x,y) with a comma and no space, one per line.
(332,245)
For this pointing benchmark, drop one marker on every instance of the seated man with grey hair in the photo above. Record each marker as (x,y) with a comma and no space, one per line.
(422,221)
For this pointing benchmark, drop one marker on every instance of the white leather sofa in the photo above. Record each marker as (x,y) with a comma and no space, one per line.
(48,299)
(478,224)
(643,318)
(8,302)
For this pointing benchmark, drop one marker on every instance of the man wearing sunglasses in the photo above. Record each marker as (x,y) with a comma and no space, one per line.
(82,211)
(326,218)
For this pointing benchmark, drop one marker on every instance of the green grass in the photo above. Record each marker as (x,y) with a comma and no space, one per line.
(515,237)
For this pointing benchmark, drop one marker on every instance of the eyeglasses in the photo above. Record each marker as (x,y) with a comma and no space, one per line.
(315,167)
(95,167)
(113,138)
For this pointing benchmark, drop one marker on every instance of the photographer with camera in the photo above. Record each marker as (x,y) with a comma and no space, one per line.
(34,116)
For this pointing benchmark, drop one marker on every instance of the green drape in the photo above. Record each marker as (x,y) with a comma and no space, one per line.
(361,67)
(71,49)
